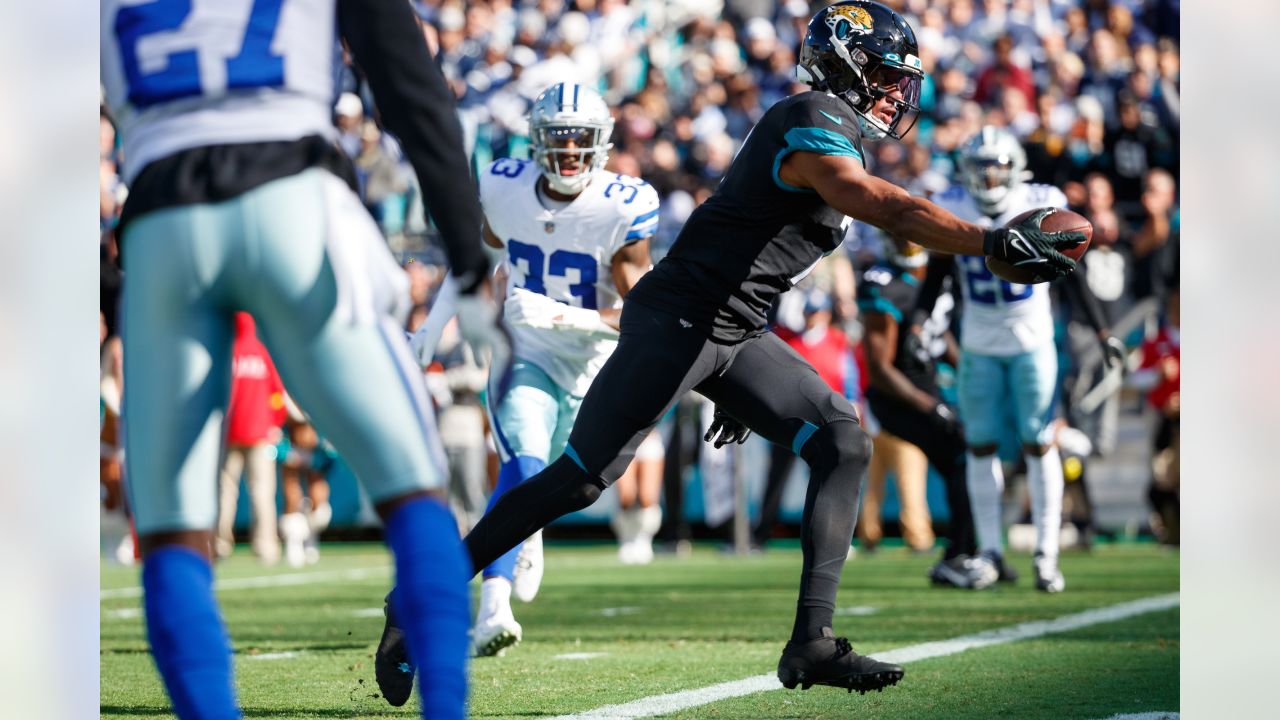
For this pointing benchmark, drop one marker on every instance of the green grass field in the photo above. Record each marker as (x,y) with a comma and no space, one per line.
(304,639)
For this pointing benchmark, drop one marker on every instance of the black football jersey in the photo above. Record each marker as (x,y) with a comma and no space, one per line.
(888,289)
(756,236)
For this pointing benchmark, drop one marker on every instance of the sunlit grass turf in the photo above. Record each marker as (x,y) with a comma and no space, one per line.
(683,624)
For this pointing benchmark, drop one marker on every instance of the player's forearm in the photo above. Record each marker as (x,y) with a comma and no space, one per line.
(920,221)
(612,317)
(417,106)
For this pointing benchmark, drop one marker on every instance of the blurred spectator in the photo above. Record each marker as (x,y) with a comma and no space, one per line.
(1004,73)
(254,415)
(304,454)
(381,180)
(1160,376)
(1133,148)
(1156,245)
(348,115)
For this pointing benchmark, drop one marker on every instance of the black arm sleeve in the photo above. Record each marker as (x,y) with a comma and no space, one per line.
(417,106)
(940,266)
(1076,288)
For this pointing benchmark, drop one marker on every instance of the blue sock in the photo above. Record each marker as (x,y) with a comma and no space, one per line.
(512,473)
(188,640)
(432,603)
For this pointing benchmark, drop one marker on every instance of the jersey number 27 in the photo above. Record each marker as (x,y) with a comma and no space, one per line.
(253,66)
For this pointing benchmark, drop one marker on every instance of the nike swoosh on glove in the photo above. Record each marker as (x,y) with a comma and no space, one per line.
(1027,246)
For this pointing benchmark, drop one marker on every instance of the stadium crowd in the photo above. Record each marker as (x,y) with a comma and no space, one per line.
(1090,87)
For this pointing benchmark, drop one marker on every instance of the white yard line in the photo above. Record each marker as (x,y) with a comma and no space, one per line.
(579,656)
(268,581)
(272,656)
(675,702)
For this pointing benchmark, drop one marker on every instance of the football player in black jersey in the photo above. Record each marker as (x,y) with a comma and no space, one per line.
(904,394)
(697,320)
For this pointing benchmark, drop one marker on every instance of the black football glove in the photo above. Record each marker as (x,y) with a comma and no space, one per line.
(730,429)
(945,420)
(1027,246)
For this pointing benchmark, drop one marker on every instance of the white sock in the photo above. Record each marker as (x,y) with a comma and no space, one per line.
(495,593)
(1044,484)
(985,478)
(650,522)
(626,524)
(319,518)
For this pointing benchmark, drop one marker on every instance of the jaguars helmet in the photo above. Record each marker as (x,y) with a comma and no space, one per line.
(992,164)
(863,51)
(569,129)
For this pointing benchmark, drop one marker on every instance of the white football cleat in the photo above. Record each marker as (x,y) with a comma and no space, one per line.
(529,567)
(496,627)
(295,532)
(1048,577)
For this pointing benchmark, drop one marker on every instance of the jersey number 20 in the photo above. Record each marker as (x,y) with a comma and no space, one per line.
(253,66)
(558,265)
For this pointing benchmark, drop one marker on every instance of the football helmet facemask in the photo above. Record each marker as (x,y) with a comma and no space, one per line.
(864,52)
(569,129)
(992,164)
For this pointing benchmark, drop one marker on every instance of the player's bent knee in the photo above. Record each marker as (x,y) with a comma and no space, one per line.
(837,443)
(578,488)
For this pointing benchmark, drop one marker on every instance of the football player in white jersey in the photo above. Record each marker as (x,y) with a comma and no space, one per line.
(576,239)
(240,201)
(1008,360)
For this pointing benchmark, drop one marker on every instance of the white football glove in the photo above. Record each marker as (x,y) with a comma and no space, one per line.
(529,309)
(481,327)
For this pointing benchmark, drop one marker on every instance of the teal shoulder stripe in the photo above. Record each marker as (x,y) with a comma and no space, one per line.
(880,305)
(821,141)
(814,140)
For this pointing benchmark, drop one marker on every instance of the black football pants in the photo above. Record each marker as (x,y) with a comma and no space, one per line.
(760,381)
(945,449)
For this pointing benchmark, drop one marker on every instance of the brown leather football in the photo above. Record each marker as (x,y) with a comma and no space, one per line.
(1059,220)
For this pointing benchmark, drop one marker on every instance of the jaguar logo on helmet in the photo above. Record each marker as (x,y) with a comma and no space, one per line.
(845,20)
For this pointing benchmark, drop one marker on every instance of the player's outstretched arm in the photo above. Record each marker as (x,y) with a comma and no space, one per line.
(417,106)
(846,186)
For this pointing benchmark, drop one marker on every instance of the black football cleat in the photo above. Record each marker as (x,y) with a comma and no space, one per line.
(830,660)
(391,665)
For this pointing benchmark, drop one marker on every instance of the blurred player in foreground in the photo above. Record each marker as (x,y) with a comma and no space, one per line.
(577,239)
(697,320)
(1008,361)
(239,202)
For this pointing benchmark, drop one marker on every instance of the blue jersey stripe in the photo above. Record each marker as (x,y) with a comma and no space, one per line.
(641,218)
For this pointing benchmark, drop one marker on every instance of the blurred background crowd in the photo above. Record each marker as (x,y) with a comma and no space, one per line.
(1090,87)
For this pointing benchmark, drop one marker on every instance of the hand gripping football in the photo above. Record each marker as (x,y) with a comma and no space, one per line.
(1059,220)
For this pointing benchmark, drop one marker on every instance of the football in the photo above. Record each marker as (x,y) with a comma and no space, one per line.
(1059,220)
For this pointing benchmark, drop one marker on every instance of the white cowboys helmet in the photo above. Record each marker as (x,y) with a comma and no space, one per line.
(992,165)
(569,129)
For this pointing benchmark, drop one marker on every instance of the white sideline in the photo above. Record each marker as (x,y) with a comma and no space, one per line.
(675,702)
(264,581)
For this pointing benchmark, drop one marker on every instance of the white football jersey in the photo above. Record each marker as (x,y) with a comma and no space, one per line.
(1000,317)
(180,74)
(566,255)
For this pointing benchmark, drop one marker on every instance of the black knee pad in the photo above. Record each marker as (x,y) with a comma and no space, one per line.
(836,443)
